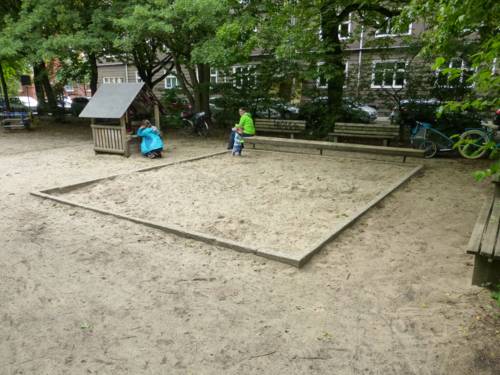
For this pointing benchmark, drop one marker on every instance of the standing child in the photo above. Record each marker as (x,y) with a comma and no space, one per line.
(238,142)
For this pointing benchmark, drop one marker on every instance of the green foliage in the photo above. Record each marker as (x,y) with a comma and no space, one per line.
(466,29)
(495,294)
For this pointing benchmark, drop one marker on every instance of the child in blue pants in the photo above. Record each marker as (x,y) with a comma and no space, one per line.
(238,142)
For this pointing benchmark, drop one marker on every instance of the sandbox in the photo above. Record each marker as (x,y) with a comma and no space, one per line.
(279,205)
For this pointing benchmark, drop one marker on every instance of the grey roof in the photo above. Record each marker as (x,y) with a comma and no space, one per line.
(112,100)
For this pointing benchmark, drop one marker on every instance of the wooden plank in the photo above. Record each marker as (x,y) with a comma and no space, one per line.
(356,125)
(362,135)
(490,235)
(278,130)
(480,226)
(367,129)
(370,131)
(350,147)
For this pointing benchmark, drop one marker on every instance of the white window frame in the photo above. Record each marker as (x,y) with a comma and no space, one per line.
(384,34)
(463,68)
(219,76)
(393,86)
(346,75)
(349,29)
(170,78)
(138,78)
(236,67)
(112,80)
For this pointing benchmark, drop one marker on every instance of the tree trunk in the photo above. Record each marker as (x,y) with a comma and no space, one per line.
(47,88)
(4,89)
(333,60)
(93,73)
(204,87)
(40,95)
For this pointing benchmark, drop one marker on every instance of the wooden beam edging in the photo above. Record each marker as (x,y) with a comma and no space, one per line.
(174,229)
(304,258)
(67,188)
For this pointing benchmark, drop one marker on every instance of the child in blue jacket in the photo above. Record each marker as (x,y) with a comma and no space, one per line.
(151,143)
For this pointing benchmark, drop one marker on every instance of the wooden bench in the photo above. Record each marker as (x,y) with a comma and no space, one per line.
(386,132)
(322,145)
(280,126)
(11,123)
(484,242)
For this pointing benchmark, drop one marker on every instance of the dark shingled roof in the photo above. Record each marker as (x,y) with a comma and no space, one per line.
(112,100)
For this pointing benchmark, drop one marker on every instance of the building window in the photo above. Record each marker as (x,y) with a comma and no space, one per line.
(171,82)
(388,74)
(388,29)
(453,79)
(244,75)
(137,77)
(345,29)
(217,76)
(322,82)
(107,80)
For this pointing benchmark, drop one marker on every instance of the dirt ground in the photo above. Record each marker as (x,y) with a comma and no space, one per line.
(83,293)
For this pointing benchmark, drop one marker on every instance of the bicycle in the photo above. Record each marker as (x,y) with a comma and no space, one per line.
(425,137)
(195,123)
(474,143)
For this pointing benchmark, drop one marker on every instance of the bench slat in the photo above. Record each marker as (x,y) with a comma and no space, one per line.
(381,136)
(368,131)
(367,126)
(258,130)
(479,228)
(280,126)
(273,122)
(490,235)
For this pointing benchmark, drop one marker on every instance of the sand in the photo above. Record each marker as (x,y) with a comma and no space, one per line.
(268,200)
(84,293)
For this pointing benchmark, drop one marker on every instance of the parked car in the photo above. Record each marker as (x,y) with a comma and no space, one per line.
(351,111)
(65,103)
(29,102)
(357,111)
(16,105)
(427,110)
(78,104)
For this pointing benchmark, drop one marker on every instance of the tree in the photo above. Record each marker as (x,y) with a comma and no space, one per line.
(182,26)
(304,33)
(8,51)
(466,30)
(146,49)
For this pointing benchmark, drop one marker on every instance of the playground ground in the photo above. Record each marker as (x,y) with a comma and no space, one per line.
(83,293)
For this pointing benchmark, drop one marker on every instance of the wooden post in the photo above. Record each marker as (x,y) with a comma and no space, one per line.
(125,143)
(157,115)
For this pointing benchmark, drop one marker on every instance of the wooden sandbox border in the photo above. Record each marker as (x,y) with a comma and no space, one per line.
(297,261)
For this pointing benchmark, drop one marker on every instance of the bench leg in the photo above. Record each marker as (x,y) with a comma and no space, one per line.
(486,271)
(385,142)
(291,135)
(335,139)
(321,151)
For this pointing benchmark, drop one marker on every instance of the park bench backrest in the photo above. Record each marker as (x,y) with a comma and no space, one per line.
(280,126)
(367,129)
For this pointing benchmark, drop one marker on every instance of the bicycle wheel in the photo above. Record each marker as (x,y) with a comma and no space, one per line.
(429,147)
(472,144)
(203,129)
